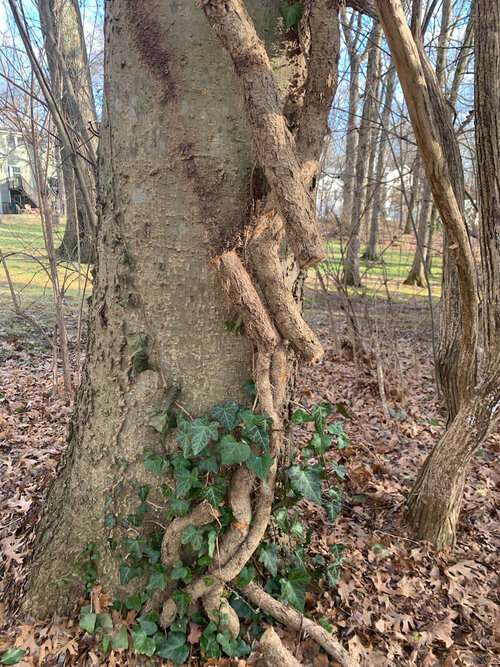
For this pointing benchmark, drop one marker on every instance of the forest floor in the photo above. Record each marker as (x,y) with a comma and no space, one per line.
(398,601)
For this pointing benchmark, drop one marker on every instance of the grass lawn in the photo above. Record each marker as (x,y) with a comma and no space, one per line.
(22,244)
(21,241)
(384,278)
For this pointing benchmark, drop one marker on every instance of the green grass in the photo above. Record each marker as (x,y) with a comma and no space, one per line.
(22,244)
(385,277)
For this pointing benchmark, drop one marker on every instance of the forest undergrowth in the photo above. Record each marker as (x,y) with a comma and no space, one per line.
(398,601)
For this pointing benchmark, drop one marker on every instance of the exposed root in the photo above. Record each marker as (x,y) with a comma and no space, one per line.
(272,651)
(299,623)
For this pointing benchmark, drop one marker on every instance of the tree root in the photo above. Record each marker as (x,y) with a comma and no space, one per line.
(272,651)
(299,623)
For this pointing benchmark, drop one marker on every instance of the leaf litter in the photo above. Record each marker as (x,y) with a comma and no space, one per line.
(398,601)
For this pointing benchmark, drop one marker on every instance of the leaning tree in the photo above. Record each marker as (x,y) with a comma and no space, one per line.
(207,170)
(436,497)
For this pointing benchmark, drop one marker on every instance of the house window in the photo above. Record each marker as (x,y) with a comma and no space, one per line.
(13,171)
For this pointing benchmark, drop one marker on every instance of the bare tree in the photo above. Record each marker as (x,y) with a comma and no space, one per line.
(352,254)
(64,41)
(436,498)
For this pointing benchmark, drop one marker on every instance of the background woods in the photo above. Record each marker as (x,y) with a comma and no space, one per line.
(250,367)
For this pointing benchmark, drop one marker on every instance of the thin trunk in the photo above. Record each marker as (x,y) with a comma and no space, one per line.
(416,183)
(62,29)
(416,275)
(41,184)
(352,128)
(430,240)
(380,187)
(351,259)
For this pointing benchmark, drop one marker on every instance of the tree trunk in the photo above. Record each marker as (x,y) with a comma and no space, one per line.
(352,128)
(436,497)
(64,40)
(416,275)
(176,169)
(380,187)
(435,500)
(351,259)
(416,182)
(430,240)
(174,191)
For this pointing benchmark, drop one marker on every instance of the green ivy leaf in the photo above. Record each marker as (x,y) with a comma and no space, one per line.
(142,643)
(136,601)
(334,505)
(297,528)
(216,492)
(249,388)
(142,492)
(245,576)
(182,601)
(127,573)
(339,470)
(320,442)
(157,464)
(306,482)
(184,440)
(301,416)
(138,353)
(344,411)
(185,480)
(148,622)
(110,521)
(227,415)
(180,572)
(104,624)
(179,507)
(120,640)
(192,536)
(87,622)
(12,656)
(291,13)
(333,573)
(157,579)
(281,516)
(293,589)
(133,546)
(201,434)
(232,451)
(260,465)
(337,429)
(268,556)
(175,648)
(259,435)
(320,413)
(325,625)
(209,464)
